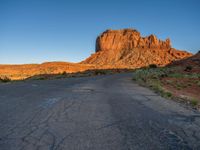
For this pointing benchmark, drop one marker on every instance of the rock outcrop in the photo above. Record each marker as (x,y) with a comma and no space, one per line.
(193,61)
(126,48)
(114,49)
(128,39)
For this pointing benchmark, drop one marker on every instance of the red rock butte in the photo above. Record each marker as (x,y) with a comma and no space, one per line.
(126,48)
(114,49)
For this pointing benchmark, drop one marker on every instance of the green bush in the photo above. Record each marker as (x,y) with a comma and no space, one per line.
(64,73)
(188,68)
(176,75)
(194,102)
(152,66)
(151,73)
(198,83)
(99,72)
(168,94)
(179,75)
(151,77)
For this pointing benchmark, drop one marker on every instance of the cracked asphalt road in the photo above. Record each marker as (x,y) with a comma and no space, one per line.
(108,112)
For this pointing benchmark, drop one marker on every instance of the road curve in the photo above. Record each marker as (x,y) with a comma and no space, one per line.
(108,112)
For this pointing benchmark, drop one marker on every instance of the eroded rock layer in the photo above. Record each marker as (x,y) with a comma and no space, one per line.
(126,48)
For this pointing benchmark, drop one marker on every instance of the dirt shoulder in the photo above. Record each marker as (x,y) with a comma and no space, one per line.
(173,82)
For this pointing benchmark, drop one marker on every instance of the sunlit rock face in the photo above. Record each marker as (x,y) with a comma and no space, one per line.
(127,48)
(128,39)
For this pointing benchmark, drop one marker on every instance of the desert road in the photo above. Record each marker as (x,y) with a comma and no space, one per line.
(108,112)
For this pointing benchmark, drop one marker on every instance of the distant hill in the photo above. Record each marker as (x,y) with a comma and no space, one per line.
(114,49)
(18,72)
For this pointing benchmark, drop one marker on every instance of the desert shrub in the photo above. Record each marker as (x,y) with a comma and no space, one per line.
(192,75)
(198,83)
(151,77)
(151,73)
(156,86)
(170,82)
(39,77)
(176,75)
(152,66)
(178,88)
(99,72)
(188,68)
(64,73)
(194,102)
(5,79)
(167,94)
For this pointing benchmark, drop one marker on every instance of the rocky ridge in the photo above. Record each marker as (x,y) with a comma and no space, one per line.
(127,48)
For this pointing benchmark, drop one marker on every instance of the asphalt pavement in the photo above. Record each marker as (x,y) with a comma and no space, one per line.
(108,112)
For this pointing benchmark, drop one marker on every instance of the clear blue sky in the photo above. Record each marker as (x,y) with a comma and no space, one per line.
(35,31)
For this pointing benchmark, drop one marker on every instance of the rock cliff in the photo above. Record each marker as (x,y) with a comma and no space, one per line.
(126,48)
